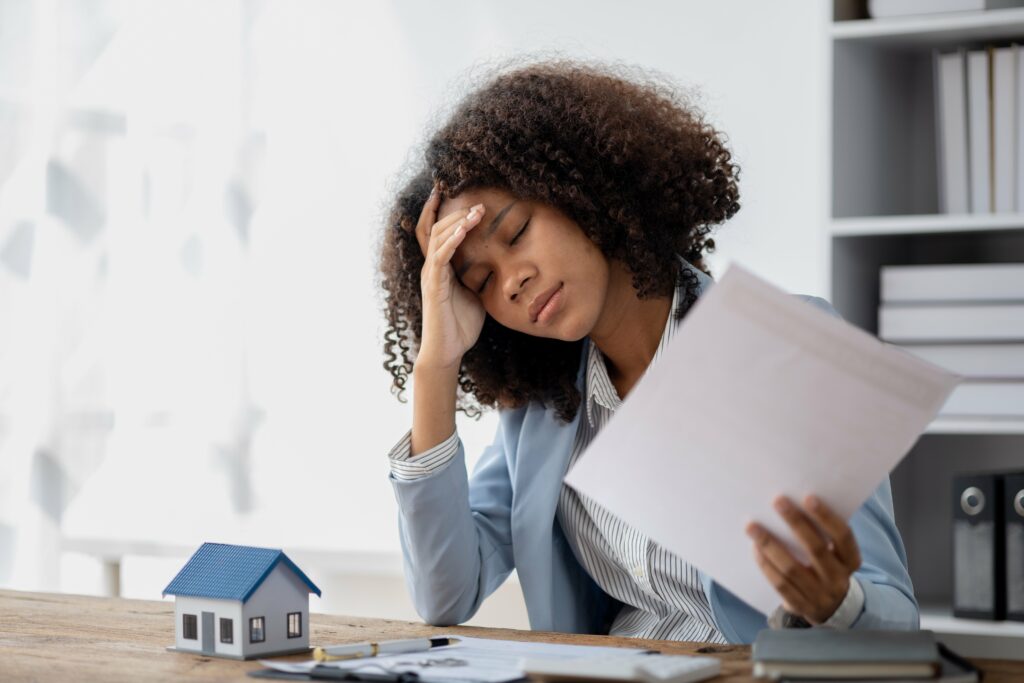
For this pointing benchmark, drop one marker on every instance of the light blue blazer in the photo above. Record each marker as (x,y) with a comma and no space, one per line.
(461,537)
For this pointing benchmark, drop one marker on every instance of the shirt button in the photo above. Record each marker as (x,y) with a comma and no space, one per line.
(638,571)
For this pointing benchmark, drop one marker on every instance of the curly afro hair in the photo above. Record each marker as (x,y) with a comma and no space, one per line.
(635,167)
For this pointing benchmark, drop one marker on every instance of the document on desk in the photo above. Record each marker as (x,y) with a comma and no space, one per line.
(480,660)
(758,393)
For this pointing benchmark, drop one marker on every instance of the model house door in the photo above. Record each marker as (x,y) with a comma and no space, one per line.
(208,633)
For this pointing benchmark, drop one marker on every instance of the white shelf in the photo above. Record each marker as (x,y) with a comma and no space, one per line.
(933,30)
(883,169)
(902,225)
(949,425)
(975,638)
(939,618)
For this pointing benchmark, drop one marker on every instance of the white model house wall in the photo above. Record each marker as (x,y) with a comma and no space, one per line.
(228,609)
(280,593)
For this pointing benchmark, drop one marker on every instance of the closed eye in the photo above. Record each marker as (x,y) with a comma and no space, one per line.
(521,231)
(480,289)
(519,234)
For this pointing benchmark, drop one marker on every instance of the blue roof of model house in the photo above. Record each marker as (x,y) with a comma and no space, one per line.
(231,572)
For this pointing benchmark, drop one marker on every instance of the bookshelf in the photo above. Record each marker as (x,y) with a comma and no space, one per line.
(885,211)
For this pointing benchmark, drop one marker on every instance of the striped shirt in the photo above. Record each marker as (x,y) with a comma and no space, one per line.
(663,596)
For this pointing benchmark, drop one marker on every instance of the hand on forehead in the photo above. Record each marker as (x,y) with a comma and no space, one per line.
(491,198)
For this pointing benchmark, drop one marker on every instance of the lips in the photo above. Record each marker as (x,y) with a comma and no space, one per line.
(540,300)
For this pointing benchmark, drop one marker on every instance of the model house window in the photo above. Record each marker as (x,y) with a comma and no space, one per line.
(188,626)
(256,633)
(227,630)
(294,624)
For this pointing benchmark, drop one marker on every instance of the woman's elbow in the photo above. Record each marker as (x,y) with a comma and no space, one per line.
(888,607)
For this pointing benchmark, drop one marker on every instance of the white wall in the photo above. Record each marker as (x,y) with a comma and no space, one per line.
(343,90)
(759,65)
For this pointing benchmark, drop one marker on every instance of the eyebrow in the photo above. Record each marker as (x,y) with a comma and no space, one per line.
(495,224)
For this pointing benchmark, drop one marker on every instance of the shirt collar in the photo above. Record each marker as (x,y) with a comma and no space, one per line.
(599,387)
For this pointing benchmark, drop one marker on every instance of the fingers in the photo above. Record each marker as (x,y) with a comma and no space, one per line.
(846,548)
(814,591)
(428,223)
(444,240)
(432,235)
(466,218)
(819,549)
(783,570)
(780,557)
(450,242)
(793,600)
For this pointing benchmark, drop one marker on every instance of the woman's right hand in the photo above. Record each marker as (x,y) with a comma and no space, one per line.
(452,315)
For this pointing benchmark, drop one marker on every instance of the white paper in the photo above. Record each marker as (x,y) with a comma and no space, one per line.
(757,394)
(471,659)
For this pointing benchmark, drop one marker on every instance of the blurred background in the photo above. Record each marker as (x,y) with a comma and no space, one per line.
(190,200)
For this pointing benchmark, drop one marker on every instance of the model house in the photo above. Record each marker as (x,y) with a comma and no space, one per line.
(240,602)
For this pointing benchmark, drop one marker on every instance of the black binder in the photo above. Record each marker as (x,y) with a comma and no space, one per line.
(1013,539)
(978,547)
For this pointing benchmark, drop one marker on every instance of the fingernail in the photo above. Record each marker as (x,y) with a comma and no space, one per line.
(814,502)
(783,505)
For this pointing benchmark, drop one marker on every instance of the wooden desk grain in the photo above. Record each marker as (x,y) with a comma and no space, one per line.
(57,637)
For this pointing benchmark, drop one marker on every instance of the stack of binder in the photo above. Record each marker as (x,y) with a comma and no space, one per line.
(988,545)
(968,319)
(979,111)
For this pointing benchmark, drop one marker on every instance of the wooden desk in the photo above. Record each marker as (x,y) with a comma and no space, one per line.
(56,637)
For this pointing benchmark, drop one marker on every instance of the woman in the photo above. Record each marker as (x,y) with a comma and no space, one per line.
(538,263)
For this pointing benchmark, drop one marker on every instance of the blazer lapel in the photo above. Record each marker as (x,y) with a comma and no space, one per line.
(545,445)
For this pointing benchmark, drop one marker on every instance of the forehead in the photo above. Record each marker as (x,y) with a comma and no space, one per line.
(492,199)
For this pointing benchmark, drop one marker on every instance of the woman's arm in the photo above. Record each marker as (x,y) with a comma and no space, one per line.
(866,553)
(889,601)
(456,537)
(456,533)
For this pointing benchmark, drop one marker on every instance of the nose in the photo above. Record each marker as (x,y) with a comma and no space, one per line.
(514,284)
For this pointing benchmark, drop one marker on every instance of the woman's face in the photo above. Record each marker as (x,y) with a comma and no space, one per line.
(530,265)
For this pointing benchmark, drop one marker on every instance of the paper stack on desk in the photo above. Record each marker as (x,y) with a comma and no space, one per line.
(758,393)
(471,660)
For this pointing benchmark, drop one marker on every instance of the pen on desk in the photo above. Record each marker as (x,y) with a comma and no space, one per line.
(386,647)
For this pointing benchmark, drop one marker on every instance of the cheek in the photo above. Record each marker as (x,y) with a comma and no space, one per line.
(501,314)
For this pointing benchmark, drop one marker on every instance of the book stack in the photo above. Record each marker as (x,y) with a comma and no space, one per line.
(823,654)
(979,112)
(968,319)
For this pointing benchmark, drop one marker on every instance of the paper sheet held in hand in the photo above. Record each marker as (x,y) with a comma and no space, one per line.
(758,393)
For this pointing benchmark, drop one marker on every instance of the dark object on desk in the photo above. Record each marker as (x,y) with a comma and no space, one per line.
(978,553)
(783,618)
(956,669)
(321,673)
(1013,509)
(824,653)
